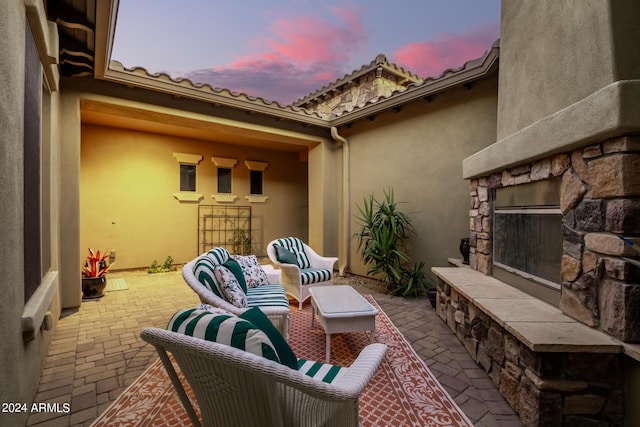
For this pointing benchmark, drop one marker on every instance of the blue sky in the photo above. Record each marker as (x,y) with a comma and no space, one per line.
(282,50)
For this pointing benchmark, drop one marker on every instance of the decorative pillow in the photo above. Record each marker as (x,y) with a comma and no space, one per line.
(229,286)
(224,329)
(296,246)
(203,270)
(235,268)
(253,273)
(284,256)
(219,255)
(262,322)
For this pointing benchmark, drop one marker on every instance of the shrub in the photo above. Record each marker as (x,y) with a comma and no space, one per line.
(381,243)
(166,266)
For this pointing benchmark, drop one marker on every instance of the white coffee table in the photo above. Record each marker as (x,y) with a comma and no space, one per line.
(341,308)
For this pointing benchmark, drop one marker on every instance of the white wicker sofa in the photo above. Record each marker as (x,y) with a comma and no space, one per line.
(200,275)
(234,387)
(304,270)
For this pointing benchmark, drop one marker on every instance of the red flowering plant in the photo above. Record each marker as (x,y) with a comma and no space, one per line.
(95,265)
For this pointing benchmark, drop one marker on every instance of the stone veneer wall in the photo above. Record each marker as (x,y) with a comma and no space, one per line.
(599,197)
(356,94)
(545,389)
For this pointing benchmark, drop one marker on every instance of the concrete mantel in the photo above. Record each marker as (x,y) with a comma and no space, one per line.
(611,111)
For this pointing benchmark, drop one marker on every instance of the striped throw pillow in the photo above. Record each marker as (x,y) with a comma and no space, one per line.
(204,271)
(260,320)
(223,328)
(320,371)
(296,246)
(219,255)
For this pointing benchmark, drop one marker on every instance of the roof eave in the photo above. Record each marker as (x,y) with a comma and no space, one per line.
(205,93)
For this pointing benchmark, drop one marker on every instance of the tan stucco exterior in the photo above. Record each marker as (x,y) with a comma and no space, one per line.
(418,152)
(22,360)
(568,74)
(127,185)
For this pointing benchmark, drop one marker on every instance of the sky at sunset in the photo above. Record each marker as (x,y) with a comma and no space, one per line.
(282,50)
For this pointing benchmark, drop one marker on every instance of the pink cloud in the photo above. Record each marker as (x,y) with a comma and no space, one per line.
(431,58)
(297,57)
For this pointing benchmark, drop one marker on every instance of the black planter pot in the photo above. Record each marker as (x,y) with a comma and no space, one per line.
(93,287)
(465,247)
(433,296)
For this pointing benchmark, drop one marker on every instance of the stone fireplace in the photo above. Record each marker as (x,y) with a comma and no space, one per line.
(568,112)
(599,192)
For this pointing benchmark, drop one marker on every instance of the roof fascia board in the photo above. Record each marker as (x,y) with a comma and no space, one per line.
(488,66)
(105,29)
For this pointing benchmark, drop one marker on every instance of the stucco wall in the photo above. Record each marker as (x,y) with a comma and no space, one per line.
(21,362)
(127,181)
(418,152)
(552,54)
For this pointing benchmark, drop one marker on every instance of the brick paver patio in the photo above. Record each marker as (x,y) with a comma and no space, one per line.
(96,351)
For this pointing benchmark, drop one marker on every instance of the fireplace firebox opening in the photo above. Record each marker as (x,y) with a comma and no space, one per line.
(527,239)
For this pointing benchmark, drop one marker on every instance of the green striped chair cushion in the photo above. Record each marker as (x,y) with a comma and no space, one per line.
(227,329)
(285,353)
(204,271)
(267,296)
(296,246)
(219,255)
(320,371)
(314,275)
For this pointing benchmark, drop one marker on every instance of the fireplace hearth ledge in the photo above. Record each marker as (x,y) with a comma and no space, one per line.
(539,326)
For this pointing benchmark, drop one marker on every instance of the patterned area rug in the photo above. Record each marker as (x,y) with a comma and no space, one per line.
(403,391)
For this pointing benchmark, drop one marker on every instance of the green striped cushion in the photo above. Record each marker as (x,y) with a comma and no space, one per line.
(295,245)
(320,371)
(314,275)
(223,328)
(261,321)
(204,271)
(219,255)
(267,296)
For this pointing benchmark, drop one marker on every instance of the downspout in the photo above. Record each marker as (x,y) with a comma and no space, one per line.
(346,214)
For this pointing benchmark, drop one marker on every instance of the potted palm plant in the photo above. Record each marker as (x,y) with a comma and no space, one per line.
(94,272)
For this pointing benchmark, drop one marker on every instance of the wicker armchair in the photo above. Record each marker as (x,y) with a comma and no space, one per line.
(277,312)
(297,281)
(237,388)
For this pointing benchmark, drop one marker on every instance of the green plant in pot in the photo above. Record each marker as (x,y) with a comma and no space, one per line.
(94,271)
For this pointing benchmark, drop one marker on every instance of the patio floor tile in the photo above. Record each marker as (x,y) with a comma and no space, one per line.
(97,351)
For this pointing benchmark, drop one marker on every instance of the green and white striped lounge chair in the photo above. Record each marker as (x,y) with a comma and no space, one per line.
(302,268)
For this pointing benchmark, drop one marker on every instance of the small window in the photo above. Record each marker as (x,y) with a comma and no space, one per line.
(187,177)
(224,180)
(256,182)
